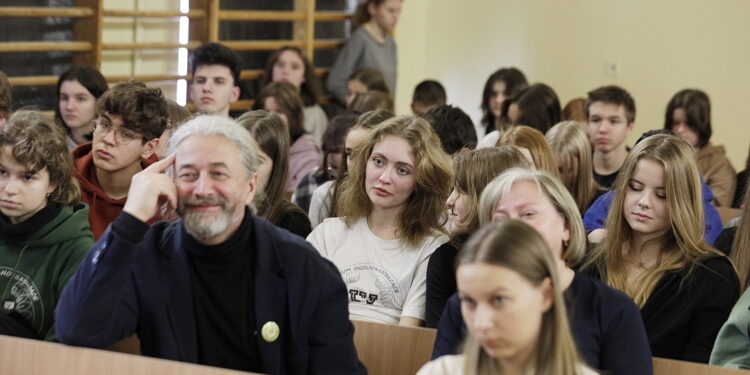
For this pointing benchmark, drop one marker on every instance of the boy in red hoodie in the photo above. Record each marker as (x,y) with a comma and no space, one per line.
(130,119)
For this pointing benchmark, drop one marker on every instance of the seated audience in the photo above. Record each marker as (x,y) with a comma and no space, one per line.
(323,202)
(512,298)
(597,213)
(689,117)
(282,99)
(333,147)
(130,119)
(655,253)
(272,139)
(44,228)
(220,287)
(428,94)
(391,220)
(216,77)
(289,64)
(6,98)
(78,89)
(472,171)
(498,87)
(454,128)
(178,115)
(536,106)
(533,145)
(371,100)
(611,118)
(572,150)
(606,325)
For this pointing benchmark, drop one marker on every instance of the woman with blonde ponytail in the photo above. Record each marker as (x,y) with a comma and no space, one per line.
(513,305)
(655,253)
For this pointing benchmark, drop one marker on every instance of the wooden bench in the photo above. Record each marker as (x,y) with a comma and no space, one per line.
(392,350)
(671,367)
(31,357)
(389,349)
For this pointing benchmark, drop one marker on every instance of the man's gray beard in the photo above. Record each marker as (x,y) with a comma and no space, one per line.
(204,226)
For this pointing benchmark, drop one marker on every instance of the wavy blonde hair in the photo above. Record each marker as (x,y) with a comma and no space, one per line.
(425,212)
(570,144)
(514,245)
(554,190)
(683,245)
(532,139)
(473,170)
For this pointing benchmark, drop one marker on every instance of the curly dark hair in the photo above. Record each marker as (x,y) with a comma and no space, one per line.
(143,109)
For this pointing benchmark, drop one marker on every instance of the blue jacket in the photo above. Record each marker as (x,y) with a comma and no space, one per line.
(596,215)
(132,282)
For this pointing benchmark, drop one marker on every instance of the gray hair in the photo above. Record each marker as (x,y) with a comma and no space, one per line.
(208,125)
(555,191)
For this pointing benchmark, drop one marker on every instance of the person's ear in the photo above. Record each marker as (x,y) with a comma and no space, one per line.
(252,185)
(548,293)
(372,8)
(235,94)
(149,148)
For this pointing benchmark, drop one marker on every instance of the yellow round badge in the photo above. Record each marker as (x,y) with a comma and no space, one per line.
(270,331)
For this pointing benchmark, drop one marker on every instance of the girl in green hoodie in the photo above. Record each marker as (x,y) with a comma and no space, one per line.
(44,228)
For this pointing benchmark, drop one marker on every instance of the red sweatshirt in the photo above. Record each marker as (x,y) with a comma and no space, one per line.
(103,210)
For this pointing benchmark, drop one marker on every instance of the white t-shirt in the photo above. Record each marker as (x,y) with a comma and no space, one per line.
(320,203)
(454,365)
(316,122)
(386,279)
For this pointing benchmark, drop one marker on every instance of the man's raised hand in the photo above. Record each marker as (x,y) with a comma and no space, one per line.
(148,188)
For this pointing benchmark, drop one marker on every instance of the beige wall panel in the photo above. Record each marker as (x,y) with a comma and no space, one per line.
(658,46)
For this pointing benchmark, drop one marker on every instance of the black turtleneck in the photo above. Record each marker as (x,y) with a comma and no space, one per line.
(223,298)
(15,233)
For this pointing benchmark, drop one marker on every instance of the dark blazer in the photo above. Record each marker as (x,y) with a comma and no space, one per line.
(136,279)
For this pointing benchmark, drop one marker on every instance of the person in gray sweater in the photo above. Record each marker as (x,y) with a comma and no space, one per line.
(370,46)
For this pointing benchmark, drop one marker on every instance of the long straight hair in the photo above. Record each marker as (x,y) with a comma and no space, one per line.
(569,142)
(683,245)
(310,90)
(473,171)
(270,133)
(515,245)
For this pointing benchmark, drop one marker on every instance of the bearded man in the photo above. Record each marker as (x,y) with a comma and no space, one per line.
(219,287)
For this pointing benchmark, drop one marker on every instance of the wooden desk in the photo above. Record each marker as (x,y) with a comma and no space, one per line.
(31,357)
